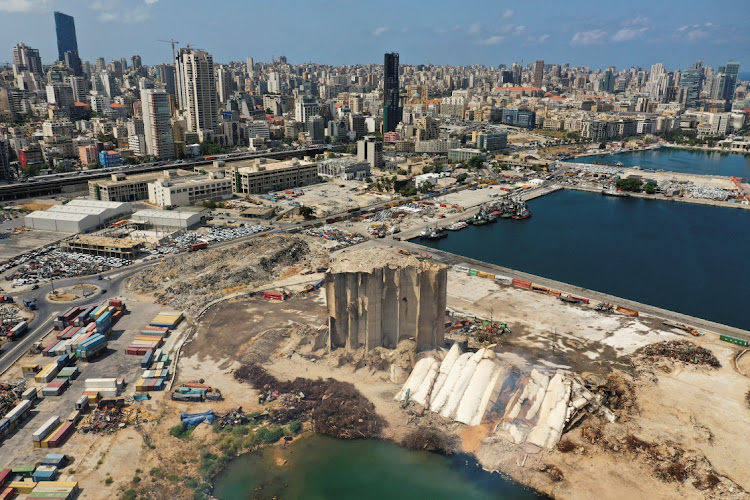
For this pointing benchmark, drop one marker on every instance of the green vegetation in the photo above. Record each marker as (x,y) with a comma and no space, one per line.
(269,435)
(180,432)
(475,162)
(211,148)
(307,212)
(108,481)
(402,171)
(136,479)
(460,178)
(633,185)
(295,427)
(130,494)
(157,473)
(650,188)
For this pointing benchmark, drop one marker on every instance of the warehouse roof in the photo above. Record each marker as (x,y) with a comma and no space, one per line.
(164,214)
(68,216)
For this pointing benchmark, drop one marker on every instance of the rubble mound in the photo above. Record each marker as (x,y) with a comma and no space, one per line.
(422,439)
(334,408)
(678,350)
(191,281)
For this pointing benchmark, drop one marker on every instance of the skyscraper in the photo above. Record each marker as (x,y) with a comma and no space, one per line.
(391,99)
(65,27)
(732,69)
(157,128)
(538,74)
(196,91)
(692,81)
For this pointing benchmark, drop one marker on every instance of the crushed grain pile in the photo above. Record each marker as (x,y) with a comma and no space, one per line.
(191,281)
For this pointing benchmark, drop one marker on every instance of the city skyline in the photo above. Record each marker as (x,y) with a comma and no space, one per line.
(639,34)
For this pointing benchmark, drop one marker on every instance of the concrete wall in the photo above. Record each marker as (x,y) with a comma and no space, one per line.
(384,305)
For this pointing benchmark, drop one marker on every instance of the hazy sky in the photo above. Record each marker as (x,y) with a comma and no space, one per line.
(593,33)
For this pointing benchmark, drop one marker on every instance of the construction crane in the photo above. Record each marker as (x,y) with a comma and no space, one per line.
(172,42)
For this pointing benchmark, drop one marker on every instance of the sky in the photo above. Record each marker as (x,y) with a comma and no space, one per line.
(597,34)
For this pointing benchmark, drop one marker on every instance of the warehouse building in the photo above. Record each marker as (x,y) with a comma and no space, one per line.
(170,191)
(77,216)
(261,177)
(170,219)
(122,188)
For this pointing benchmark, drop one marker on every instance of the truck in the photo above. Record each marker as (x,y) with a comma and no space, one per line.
(198,246)
(6,298)
(17,331)
(30,304)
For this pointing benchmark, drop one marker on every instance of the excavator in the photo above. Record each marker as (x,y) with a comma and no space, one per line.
(680,326)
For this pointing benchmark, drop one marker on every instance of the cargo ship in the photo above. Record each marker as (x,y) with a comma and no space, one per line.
(437,234)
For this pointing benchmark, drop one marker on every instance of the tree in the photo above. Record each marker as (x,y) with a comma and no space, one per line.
(401,171)
(460,178)
(632,184)
(306,212)
(603,145)
(650,188)
(425,187)
(475,162)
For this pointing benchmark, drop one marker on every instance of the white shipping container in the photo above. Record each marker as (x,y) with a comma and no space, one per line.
(22,407)
(46,428)
(101,383)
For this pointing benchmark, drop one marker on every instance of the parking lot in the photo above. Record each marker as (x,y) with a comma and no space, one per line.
(49,262)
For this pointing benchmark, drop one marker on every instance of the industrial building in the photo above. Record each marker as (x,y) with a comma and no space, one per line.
(172,191)
(123,248)
(261,176)
(78,216)
(464,154)
(344,168)
(167,219)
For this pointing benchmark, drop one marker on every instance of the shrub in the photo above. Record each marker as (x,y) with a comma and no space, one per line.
(130,494)
(295,427)
(269,435)
(180,432)
(136,479)
(109,480)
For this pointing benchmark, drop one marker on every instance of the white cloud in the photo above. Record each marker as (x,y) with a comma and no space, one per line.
(627,34)
(520,29)
(380,30)
(638,20)
(490,40)
(150,2)
(122,11)
(543,38)
(507,14)
(23,5)
(474,29)
(590,37)
(696,34)
(441,31)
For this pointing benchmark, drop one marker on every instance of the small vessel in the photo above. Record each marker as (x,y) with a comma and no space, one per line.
(425,232)
(614,192)
(437,234)
(480,222)
(521,212)
(457,226)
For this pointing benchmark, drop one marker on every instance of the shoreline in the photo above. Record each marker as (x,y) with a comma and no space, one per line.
(675,199)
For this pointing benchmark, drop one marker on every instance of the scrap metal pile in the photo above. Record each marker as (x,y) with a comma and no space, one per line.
(332,233)
(335,408)
(678,350)
(110,415)
(196,392)
(10,394)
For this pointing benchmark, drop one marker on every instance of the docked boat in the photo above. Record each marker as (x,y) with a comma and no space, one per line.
(480,222)
(437,234)
(521,212)
(614,192)
(457,226)
(425,232)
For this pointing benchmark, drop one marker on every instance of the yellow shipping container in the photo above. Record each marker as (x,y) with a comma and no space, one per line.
(62,484)
(24,487)
(30,368)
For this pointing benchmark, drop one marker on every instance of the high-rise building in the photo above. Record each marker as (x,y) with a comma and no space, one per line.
(249,66)
(5,174)
(731,70)
(371,151)
(223,84)
(392,109)
(304,108)
(608,82)
(538,74)
(135,62)
(274,85)
(196,92)
(692,81)
(165,75)
(26,59)
(157,127)
(65,27)
(73,62)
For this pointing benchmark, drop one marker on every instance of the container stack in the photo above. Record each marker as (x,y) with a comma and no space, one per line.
(44,473)
(62,490)
(45,430)
(56,459)
(58,436)
(92,347)
(47,374)
(160,331)
(167,319)
(68,373)
(144,343)
(105,387)
(15,417)
(55,388)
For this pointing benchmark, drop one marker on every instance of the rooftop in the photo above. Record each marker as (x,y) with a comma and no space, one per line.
(164,214)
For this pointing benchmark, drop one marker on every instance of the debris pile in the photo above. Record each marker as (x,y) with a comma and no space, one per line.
(332,233)
(678,350)
(191,281)
(111,415)
(196,392)
(335,408)
(10,394)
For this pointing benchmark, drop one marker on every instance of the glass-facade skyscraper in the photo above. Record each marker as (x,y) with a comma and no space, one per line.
(391,99)
(65,28)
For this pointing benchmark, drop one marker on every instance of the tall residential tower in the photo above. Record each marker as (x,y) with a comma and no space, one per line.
(196,92)
(65,26)
(391,100)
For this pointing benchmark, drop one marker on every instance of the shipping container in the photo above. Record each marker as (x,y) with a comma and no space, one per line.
(521,283)
(44,430)
(734,340)
(7,493)
(4,476)
(24,487)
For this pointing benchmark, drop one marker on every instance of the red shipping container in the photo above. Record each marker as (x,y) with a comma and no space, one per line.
(4,476)
(7,493)
(583,301)
(521,283)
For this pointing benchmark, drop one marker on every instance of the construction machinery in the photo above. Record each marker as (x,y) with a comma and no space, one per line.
(680,326)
